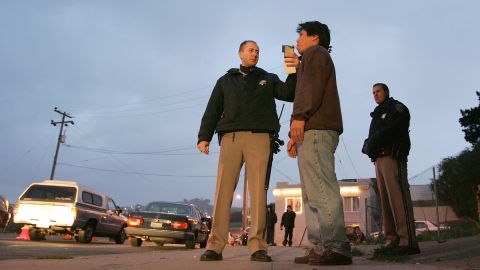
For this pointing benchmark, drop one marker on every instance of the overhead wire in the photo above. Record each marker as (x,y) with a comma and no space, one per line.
(136,173)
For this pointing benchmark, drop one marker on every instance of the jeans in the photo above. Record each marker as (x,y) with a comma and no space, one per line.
(320,192)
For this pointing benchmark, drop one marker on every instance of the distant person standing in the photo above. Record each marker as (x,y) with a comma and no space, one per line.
(388,146)
(271,221)
(242,110)
(288,221)
(315,129)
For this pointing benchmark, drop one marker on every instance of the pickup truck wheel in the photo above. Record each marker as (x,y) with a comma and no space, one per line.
(190,243)
(135,242)
(121,236)
(85,235)
(35,235)
(160,244)
(204,243)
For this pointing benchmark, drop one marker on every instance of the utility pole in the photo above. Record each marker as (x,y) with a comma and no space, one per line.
(434,180)
(61,137)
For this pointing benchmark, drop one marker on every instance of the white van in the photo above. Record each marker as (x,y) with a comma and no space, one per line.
(69,208)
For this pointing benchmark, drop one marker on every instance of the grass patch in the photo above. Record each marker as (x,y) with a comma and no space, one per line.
(387,254)
(456,232)
(53,257)
(357,252)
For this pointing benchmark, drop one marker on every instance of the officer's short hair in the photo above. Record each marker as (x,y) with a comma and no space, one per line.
(289,206)
(245,43)
(384,87)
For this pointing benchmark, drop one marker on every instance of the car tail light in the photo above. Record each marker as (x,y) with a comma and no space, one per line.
(15,209)
(179,225)
(74,212)
(135,221)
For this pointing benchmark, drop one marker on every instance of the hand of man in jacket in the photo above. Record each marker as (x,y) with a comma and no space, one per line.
(203,146)
(297,129)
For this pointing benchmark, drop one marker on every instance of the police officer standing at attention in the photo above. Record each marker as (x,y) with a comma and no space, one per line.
(388,146)
(288,221)
(242,111)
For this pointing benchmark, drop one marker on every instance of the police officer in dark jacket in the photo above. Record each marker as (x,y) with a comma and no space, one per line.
(242,111)
(288,221)
(388,145)
(271,221)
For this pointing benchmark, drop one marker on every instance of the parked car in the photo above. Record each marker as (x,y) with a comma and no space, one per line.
(166,222)
(422,226)
(4,213)
(377,235)
(354,234)
(244,237)
(69,208)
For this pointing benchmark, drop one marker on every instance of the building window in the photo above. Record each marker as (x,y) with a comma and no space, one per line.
(295,202)
(351,204)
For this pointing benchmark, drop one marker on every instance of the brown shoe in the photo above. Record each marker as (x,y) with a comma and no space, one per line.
(305,259)
(330,257)
(390,243)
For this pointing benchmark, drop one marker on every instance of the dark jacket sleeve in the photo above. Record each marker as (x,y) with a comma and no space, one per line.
(212,114)
(285,90)
(312,85)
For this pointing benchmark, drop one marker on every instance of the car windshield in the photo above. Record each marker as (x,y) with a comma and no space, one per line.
(170,208)
(50,193)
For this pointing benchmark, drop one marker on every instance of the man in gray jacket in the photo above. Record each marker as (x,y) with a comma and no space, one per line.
(315,128)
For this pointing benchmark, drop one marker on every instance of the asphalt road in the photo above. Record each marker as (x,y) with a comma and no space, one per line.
(59,254)
(55,247)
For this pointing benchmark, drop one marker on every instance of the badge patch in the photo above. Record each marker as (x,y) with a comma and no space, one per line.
(262,82)
(384,115)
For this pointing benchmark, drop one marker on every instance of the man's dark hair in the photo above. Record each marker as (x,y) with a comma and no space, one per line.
(384,87)
(244,43)
(319,29)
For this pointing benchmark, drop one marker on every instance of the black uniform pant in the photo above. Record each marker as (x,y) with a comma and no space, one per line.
(288,236)
(270,232)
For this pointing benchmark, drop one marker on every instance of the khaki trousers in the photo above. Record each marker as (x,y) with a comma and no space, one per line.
(237,148)
(395,201)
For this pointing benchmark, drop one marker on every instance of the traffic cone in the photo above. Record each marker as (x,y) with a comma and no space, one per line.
(68,237)
(24,234)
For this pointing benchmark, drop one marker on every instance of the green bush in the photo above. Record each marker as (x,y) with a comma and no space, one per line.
(455,232)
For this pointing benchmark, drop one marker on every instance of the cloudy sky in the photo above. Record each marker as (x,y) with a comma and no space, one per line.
(136,76)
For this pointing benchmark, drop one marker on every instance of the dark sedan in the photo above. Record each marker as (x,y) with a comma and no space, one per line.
(165,222)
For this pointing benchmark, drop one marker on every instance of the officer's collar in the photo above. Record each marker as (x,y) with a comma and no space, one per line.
(242,70)
(382,105)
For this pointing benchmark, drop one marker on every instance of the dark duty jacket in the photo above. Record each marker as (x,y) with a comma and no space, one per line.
(245,103)
(388,135)
(288,219)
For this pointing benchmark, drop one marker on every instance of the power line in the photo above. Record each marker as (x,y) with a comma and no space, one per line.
(151,99)
(116,159)
(349,158)
(109,151)
(137,173)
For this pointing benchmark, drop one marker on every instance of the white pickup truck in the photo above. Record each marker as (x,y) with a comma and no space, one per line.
(69,208)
